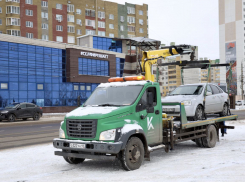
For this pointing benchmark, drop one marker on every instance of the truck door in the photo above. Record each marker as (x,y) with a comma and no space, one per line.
(149,117)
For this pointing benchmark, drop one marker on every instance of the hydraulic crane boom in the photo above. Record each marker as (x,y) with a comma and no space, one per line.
(150,57)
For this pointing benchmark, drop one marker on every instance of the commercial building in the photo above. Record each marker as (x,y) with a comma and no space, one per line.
(56,75)
(64,21)
(232,39)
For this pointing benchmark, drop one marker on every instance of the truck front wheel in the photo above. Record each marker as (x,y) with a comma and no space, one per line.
(73,160)
(133,154)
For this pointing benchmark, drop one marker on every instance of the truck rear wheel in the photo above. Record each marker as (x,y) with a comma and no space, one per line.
(210,140)
(133,154)
(73,160)
(199,142)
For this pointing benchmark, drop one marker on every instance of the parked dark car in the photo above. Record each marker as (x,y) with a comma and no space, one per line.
(21,111)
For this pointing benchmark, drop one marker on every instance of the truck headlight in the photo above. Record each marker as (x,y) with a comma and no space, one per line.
(187,102)
(4,112)
(108,135)
(61,133)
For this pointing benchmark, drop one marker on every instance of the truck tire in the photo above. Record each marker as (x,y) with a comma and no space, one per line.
(210,140)
(199,142)
(133,154)
(73,160)
(11,118)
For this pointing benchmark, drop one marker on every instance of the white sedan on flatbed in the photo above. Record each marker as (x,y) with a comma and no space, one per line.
(192,95)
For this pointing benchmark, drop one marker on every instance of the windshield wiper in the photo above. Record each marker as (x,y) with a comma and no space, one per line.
(108,105)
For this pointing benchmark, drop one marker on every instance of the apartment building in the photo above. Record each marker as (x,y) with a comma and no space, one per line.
(65,20)
(214,76)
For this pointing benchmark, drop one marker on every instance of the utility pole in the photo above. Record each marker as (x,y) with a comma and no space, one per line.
(242,79)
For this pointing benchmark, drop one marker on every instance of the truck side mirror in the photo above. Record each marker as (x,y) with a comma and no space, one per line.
(150,99)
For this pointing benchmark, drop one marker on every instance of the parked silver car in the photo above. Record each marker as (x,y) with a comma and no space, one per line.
(192,95)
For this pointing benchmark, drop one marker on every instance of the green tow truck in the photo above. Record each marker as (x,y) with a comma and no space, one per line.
(123,119)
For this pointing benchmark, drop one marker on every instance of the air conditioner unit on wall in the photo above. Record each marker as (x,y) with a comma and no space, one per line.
(59,20)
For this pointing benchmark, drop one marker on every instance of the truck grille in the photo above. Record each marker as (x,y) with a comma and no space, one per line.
(81,128)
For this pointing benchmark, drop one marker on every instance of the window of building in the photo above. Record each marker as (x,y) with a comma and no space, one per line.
(93,67)
(44,26)
(29,12)
(15,1)
(140,12)
(101,14)
(13,32)
(141,22)
(90,32)
(29,24)
(59,38)
(141,30)
(131,36)
(82,87)
(131,19)
(131,10)
(0,21)
(75,87)
(122,18)
(122,36)
(88,87)
(79,21)
(0,9)
(29,35)
(111,26)
(13,21)
(79,11)
(44,15)
(90,23)
(59,28)
(70,29)
(70,8)
(70,18)
(111,16)
(44,3)
(101,33)
(40,86)
(131,28)
(59,18)
(4,86)
(44,37)
(89,12)
(71,39)
(101,24)
(79,32)
(121,27)
(29,2)
(111,35)
(59,6)
(12,10)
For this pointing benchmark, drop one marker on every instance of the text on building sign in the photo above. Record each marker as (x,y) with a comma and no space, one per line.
(104,56)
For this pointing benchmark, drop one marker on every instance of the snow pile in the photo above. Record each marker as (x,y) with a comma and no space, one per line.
(83,111)
(129,127)
(122,84)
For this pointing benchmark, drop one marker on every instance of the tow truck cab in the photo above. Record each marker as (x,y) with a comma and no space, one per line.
(119,119)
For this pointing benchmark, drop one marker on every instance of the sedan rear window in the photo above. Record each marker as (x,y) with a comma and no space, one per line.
(188,90)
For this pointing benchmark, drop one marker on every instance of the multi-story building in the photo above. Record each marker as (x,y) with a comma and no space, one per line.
(232,39)
(64,21)
(214,76)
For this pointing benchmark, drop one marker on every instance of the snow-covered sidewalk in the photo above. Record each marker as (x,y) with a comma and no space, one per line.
(225,162)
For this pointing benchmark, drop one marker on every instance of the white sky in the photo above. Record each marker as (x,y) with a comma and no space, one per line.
(193,22)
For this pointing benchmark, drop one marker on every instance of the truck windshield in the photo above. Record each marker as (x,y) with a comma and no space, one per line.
(114,96)
(188,90)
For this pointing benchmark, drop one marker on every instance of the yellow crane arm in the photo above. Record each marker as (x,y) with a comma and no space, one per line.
(150,58)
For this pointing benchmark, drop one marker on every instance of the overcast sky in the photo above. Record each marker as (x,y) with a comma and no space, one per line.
(192,22)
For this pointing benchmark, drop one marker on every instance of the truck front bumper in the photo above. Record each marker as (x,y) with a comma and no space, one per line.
(91,147)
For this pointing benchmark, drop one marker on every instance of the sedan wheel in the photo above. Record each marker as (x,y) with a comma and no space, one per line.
(11,118)
(224,111)
(199,113)
(36,116)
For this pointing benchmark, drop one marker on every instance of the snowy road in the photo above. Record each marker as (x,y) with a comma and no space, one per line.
(225,162)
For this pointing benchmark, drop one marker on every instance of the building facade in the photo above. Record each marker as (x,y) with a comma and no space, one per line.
(54,74)
(64,21)
(232,40)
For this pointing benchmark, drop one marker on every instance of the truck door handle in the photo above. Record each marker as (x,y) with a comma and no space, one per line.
(157,112)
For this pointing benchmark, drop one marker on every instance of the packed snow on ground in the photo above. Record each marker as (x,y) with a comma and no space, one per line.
(225,162)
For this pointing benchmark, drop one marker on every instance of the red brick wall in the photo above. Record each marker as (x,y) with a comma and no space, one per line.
(24,18)
(63,23)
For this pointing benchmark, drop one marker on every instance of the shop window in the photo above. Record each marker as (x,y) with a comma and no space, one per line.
(39,86)
(4,86)
(75,87)
(82,87)
(88,87)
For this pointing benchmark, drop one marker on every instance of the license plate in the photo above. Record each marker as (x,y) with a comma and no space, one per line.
(168,109)
(76,145)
